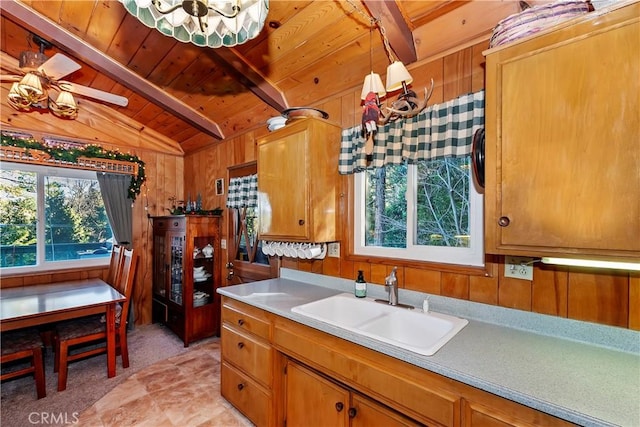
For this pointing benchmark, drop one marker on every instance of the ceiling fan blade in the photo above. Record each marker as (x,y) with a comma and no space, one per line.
(94,93)
(59,66)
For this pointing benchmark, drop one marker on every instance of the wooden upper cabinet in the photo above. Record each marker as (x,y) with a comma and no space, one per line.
(563,148)
(298,182)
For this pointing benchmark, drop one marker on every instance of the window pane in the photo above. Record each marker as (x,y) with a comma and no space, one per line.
(443,202)
(18,218)
(386,207)
(76,221)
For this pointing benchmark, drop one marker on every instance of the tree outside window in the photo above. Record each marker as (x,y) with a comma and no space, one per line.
(51,215)
(429,211)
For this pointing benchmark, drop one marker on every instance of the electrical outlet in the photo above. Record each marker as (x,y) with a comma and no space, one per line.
(333,250)
(223,243)
(518,267)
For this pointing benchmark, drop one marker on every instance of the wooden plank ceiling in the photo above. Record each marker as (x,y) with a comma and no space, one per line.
(308,51)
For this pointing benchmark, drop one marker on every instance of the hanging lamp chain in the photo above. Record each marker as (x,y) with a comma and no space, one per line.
(375,22)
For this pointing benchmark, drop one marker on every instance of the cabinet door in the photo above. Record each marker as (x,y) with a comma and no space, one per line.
(160,265)
(366,413)
(175,254)
(312,400)
(562,142)
(284,187)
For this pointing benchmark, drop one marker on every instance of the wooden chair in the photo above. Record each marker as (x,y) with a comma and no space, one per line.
(20,345)
(115,265)
(92,330)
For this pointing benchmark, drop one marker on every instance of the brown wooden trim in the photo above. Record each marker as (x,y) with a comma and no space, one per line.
(243,169)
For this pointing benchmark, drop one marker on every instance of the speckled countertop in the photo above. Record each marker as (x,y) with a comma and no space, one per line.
(582,372)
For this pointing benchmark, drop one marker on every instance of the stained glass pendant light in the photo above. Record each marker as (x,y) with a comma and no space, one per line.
(201,22)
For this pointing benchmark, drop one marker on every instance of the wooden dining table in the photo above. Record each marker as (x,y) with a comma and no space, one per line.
(27,306)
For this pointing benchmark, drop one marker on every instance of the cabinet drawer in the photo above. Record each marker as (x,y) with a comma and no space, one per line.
(246,395)
(169,224)
(246,318)
(247,353)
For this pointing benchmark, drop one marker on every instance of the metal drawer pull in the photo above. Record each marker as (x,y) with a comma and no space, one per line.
(240,345)
(240,322)
(339,406)
(240,386)
(352,412)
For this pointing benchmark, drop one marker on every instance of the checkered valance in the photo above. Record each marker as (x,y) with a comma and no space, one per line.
(439,131)
(243,192)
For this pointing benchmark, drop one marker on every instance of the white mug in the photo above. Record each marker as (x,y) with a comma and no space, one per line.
(293,250)
(286,249)
(302,250)
(279,246)
(313,251)
(272,248)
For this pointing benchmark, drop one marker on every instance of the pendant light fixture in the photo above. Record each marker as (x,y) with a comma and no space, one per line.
(398,77)
(201,22)
(372,81)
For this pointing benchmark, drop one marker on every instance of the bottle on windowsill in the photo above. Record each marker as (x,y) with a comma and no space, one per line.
(360,285)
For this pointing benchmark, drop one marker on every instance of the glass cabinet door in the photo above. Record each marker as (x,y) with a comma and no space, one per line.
(203,273)
(159,265)
(176,251)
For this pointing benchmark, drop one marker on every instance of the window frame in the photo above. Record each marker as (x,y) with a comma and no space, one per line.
(43,265)
(452,258)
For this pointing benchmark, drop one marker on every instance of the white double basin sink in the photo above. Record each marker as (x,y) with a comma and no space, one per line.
(413,330)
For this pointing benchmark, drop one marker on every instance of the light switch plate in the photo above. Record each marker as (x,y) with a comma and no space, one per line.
(333,250)
(223,243)
(518,267)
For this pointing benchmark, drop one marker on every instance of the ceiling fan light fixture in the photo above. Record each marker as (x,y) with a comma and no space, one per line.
(16,100)
(64,106)
(30,88)
(65,99)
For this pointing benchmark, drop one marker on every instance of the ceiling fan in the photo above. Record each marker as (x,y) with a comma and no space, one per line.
(39,74)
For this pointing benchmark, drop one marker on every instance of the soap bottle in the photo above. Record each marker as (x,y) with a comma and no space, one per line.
(361,285)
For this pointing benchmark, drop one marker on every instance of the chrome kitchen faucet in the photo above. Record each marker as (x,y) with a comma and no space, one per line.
(391,282)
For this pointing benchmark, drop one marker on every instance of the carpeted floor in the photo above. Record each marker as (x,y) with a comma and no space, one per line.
(87,382)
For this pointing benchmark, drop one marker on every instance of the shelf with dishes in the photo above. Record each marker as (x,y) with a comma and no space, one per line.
(201,298)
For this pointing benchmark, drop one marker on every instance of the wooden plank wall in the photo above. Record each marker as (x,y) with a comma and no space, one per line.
(599,296)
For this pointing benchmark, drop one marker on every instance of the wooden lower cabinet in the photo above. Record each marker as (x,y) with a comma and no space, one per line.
(247,373)
(314,400)
(278,372)
(249,397)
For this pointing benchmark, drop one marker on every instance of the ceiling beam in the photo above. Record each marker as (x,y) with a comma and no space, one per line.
(70,43)
(396,28)
(250,77)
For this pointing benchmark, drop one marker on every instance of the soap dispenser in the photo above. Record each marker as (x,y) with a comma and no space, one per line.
(360,285)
